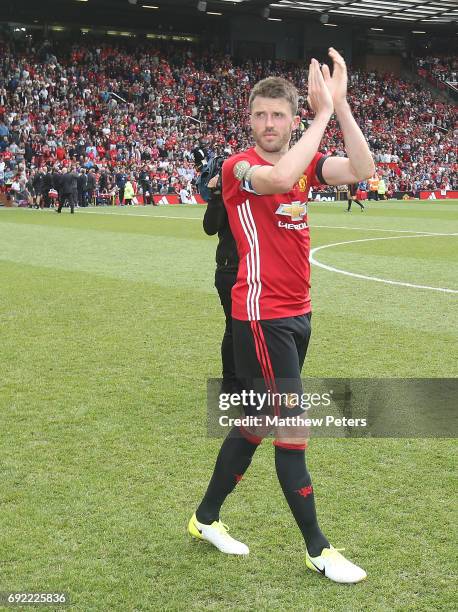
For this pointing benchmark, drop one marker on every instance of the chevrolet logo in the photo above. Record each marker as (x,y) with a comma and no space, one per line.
(296,210)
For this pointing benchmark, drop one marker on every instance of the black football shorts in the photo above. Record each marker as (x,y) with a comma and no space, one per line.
(269,356)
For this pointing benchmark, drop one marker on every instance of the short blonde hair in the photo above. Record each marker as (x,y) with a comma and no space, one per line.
(275,87)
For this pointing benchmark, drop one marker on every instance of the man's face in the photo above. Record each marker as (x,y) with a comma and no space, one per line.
(272,123)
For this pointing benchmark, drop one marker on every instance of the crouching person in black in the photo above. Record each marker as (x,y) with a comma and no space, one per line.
(227,262)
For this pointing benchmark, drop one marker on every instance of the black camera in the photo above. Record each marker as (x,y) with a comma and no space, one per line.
(209,170)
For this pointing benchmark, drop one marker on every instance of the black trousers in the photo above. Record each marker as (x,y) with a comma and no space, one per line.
(146,187)
(350,202)
(224,281)
(70,198)
(46,199)
(89,196)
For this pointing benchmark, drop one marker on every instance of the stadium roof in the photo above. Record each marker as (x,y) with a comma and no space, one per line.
(401,14)
(435,11)
(423,12)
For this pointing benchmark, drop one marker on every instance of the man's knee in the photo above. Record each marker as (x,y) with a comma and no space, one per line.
(291,434)
(292,443)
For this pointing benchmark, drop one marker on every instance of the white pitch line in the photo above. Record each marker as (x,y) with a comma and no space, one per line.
(376,229)
(376,278)
(368,229)
(109,213)
(346,227)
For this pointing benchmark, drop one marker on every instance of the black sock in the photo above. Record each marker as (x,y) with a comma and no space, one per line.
(233,460)
(358,202)
(349,205)
(298,491)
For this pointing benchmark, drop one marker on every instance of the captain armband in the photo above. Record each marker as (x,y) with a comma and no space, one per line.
(243,171)
(319,169)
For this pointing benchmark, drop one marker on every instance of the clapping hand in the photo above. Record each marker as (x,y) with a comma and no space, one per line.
(337,84)
(319,95)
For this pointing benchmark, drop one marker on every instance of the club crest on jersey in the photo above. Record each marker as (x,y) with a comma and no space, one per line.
(296,210)
(302,183)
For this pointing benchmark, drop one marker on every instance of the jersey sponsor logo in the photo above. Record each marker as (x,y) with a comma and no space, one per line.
(296,210)
(292,226)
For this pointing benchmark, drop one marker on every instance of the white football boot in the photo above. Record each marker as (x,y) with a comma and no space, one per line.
(334,566)
(217,534)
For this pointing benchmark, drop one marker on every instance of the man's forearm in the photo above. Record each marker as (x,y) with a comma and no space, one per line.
(293,163)
(281,177)
(356,145)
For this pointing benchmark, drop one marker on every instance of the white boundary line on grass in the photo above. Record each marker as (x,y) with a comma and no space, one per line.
(413,234)
(366,229)
(376,229)
(313,260)
(109,213)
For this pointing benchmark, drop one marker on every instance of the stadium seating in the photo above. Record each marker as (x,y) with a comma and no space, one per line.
(141,110)
(441,68)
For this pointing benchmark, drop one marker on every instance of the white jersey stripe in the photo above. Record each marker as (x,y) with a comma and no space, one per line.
(258,261)
(253,287)
(253,261)
(248,261)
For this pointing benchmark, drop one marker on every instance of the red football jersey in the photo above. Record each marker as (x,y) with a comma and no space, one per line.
(273,243)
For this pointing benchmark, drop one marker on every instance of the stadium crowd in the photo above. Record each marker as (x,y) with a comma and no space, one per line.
(442,68)
(119,116)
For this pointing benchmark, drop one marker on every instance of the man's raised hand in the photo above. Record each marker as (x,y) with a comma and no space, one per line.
(319,96)
(337,84)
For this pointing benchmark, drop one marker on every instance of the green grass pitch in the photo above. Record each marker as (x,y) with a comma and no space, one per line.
(109,328)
